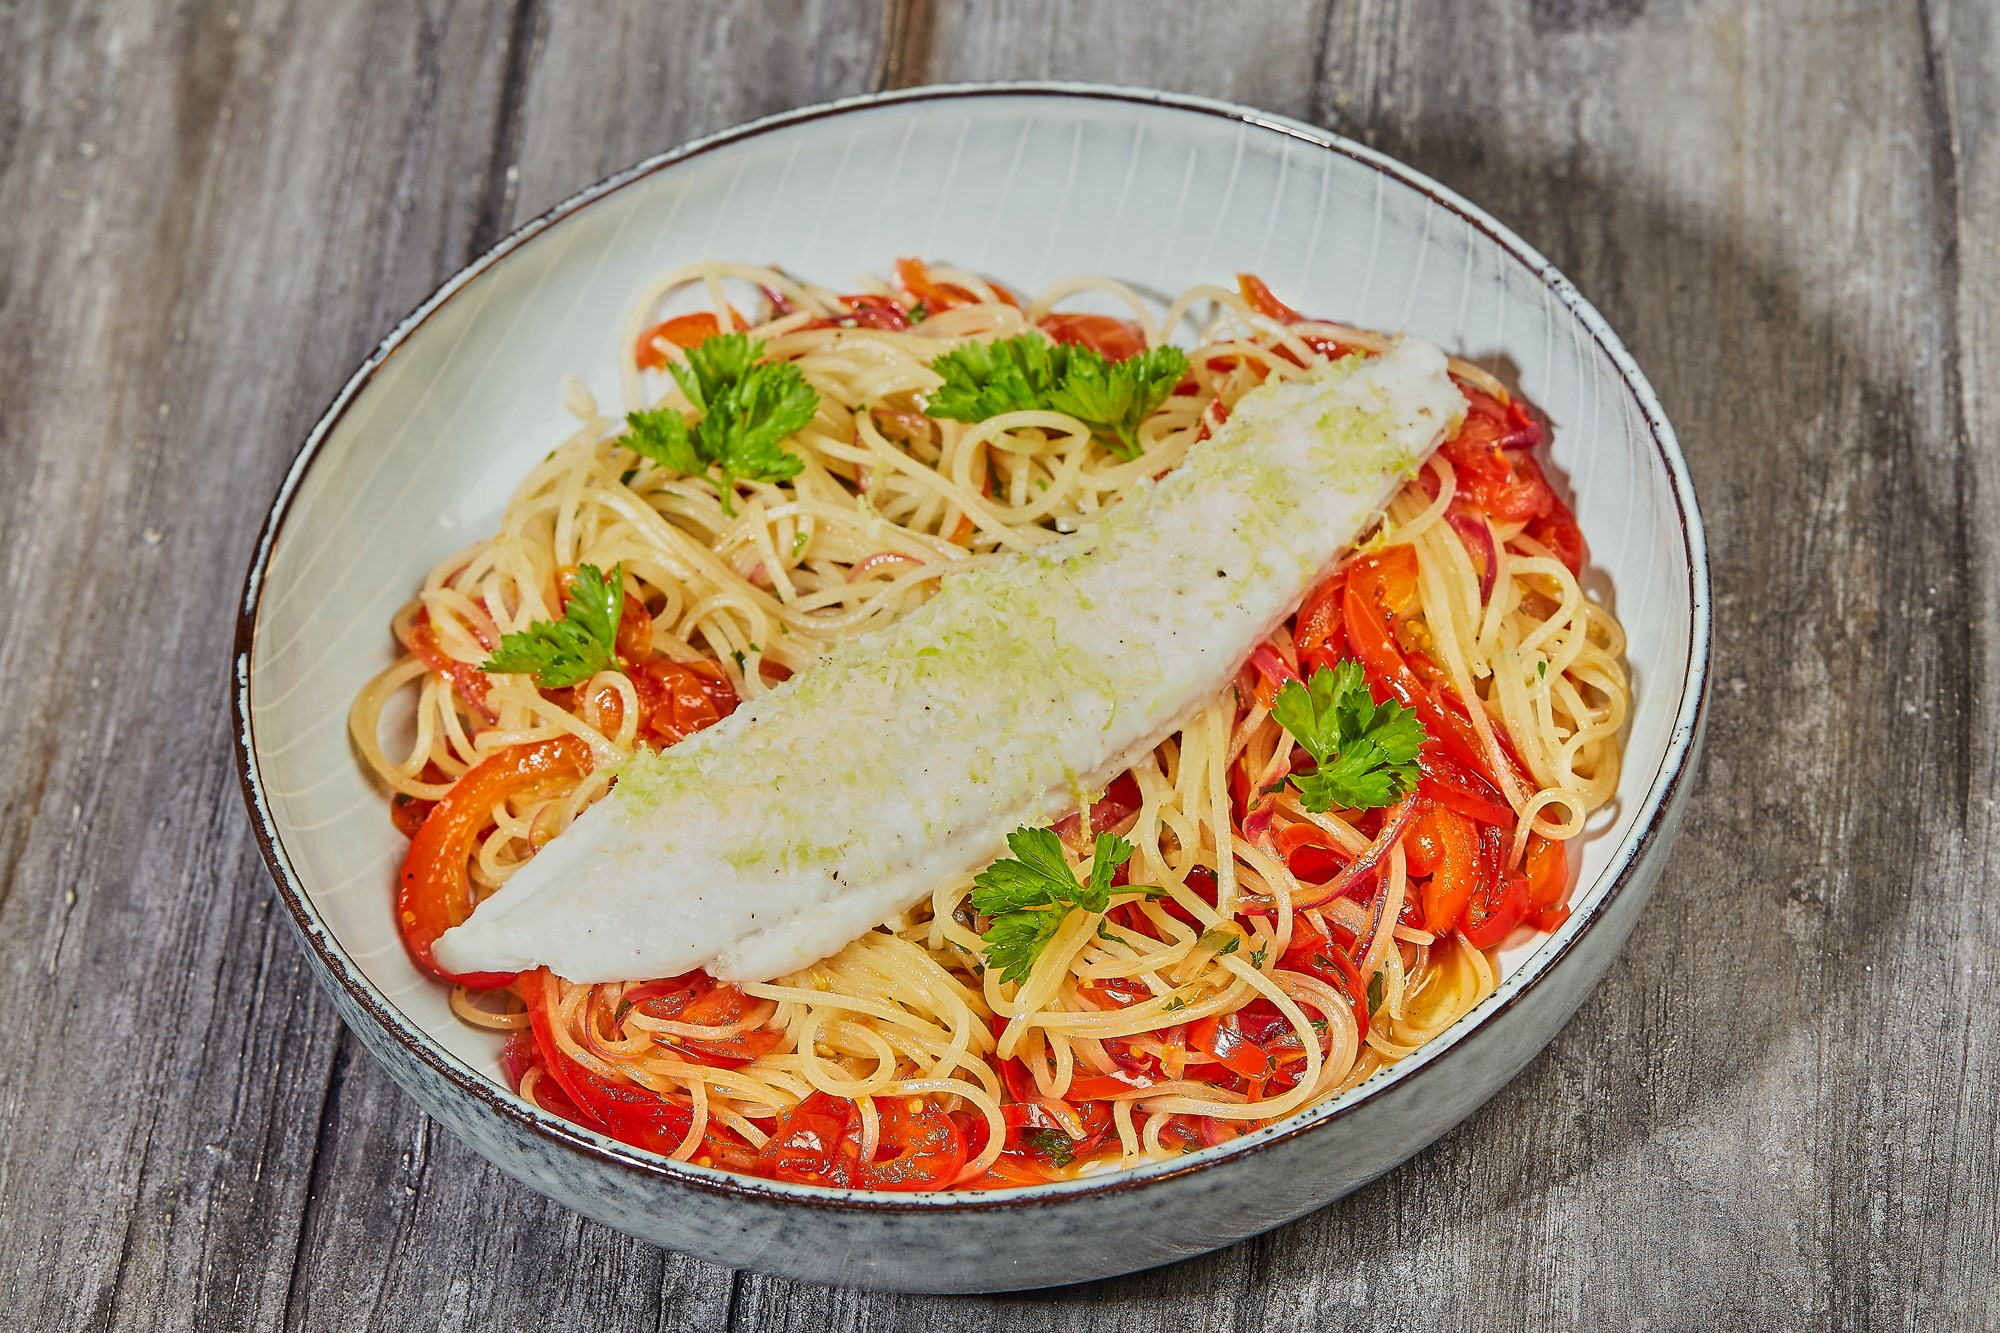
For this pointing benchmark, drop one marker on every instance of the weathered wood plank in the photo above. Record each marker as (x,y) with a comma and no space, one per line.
(1779,1107)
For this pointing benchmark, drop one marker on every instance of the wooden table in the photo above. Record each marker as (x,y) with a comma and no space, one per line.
(1780,1106)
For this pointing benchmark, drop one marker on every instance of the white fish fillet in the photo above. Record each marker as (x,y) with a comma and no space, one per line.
(906,755)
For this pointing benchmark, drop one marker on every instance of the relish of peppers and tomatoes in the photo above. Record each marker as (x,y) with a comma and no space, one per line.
(1455,830)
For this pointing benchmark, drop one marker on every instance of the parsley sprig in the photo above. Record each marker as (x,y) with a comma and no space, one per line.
(1029,372)
(747,406)
(1366,752)
(571,650)
(1029,895)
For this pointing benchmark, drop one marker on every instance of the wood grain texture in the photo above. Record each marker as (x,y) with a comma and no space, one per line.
(1779,1108)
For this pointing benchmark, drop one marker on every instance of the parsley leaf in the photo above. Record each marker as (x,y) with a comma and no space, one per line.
(571,650)
(1053,1144)
(1366,752)
(747,406)
(662,434)
(1028,896)
(1114,397)
(1028,372)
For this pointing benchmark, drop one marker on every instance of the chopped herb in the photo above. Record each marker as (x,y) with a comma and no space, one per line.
(737,653)
(1375,987)
(1053,1144)
(575,648)
(747,406)
(1366,752)
(1175,1005)
(1257,959)
(1028,896)
(1029,372)
(799,540)
(625,478)
(919,313)
(1542,667)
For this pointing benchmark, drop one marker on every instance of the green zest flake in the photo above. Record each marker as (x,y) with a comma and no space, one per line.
(747,406)
(1029,373)
(1029,895)
(571,650)
(1366,752)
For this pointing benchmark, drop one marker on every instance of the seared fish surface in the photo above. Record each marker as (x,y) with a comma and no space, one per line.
(906,755)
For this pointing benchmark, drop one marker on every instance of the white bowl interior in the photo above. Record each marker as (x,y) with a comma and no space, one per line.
(1027,188)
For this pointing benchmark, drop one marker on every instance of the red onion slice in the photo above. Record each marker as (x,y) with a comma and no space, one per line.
(1478,537)
(1393,828)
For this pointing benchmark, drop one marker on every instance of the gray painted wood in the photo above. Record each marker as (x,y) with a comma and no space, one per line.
(1780,1106)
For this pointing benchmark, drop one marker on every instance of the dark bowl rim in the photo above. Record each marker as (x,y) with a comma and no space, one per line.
(334,962)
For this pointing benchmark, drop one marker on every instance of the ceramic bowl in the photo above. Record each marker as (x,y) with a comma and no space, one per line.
(416,456)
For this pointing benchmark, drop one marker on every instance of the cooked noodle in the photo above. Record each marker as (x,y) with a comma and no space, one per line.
(887,501)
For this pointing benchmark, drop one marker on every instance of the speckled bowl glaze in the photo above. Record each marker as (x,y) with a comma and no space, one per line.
(416,456)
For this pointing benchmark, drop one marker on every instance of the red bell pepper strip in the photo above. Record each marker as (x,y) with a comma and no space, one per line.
(1368,635)
(433,894)
(1445,894)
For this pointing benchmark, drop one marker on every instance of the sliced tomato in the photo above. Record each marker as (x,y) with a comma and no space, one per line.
(915,277)
(433,893)
(678,699)
(920,1148)
(682,331)
(465,677)
(1557,530)
(720,1004)
(1317,954)
(1547,869)
(1309,853)
(1024,1120)
(627,1112)
(1273,673)
(1222,1040)
(1500,900)
(408,813)
(635,631)
(1316,630)
(1121,800)
(1489,455)
(1113,339)
(1096,1087)
(1387,580)
(1260,299)
(1450,785)
(817,1142)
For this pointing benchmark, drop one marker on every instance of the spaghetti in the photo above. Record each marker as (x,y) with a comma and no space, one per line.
(1255,956)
